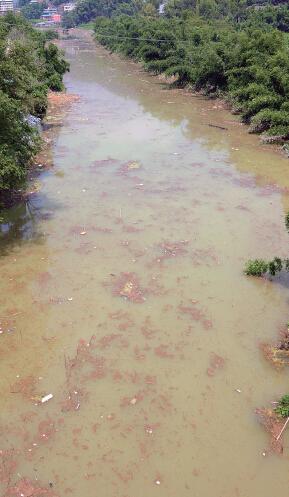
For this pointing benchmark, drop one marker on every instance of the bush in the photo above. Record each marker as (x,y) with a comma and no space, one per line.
(256,267)
(28,68)
(248,62)
(282,408)
(259,267)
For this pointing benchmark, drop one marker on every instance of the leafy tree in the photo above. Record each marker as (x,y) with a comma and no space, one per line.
(18,143)
(29,67)
(33,10)
(87,10)
(248,64)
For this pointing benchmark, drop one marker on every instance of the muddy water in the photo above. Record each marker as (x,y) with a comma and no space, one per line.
(122,295)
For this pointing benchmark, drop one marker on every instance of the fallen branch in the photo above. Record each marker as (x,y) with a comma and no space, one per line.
(286,422)
(216,126)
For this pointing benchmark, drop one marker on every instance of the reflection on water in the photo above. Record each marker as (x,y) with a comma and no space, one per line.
(133,311)
(19,223)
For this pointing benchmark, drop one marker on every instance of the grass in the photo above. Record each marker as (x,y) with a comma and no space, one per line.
(87,26)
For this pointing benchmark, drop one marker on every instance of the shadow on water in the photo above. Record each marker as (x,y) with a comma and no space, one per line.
(20,223)
(281,280)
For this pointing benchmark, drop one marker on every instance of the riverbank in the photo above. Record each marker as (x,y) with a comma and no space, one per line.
(58,106)
(216,58)
(31,66)
(217,110)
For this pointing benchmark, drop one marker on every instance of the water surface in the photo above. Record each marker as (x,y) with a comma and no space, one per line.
(122,295)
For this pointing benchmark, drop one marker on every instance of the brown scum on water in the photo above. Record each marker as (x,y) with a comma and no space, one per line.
(273,425)
(216,362)
(58,105)
(28,488)
(127,285)
(278,353)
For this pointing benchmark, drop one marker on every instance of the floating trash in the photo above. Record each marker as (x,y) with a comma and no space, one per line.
(46,398)
(127,285)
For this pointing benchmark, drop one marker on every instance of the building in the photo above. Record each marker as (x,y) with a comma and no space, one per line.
(51,16)
(68,7)
(48,13)
(56,18)
(6,6)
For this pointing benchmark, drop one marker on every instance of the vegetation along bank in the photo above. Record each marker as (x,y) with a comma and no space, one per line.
(245,61)
(30,66)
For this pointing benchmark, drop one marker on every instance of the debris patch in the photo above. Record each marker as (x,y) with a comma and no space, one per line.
(128,286)
(273,425)
(216,362)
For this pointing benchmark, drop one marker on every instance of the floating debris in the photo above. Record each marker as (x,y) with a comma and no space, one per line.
(278,354)
(170,250)
(61,99)
(25,386)
(133,165)
(127,167)
(46,398)
(72,402)
(196,314)
(274,425)
(128,286)
(216,362)
(27,488)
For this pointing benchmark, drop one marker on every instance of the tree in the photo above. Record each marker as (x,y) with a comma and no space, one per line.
(28,69)
(33,10)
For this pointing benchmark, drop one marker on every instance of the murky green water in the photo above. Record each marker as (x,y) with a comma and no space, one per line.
(145,408)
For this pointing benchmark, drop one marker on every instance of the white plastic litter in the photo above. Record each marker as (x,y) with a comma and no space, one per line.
(46,398)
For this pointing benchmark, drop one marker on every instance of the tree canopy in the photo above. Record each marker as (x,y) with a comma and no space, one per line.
(29,67)
(88,10)
(247,63)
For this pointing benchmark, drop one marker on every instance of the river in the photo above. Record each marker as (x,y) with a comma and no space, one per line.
(122,295)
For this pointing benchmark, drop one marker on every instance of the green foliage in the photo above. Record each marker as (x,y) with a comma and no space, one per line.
(33,10)
(55,67)
(248,62)
(259,267)
(268,118)
(253,13)
(256,267)
(18,143)
(51,34)
(275,266)
(282,409)
(87,10)
(28,69)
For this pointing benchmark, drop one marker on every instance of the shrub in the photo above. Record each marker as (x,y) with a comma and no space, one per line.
(28,68)
(256,267)
(270,117)
(282,409)
(248,61)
